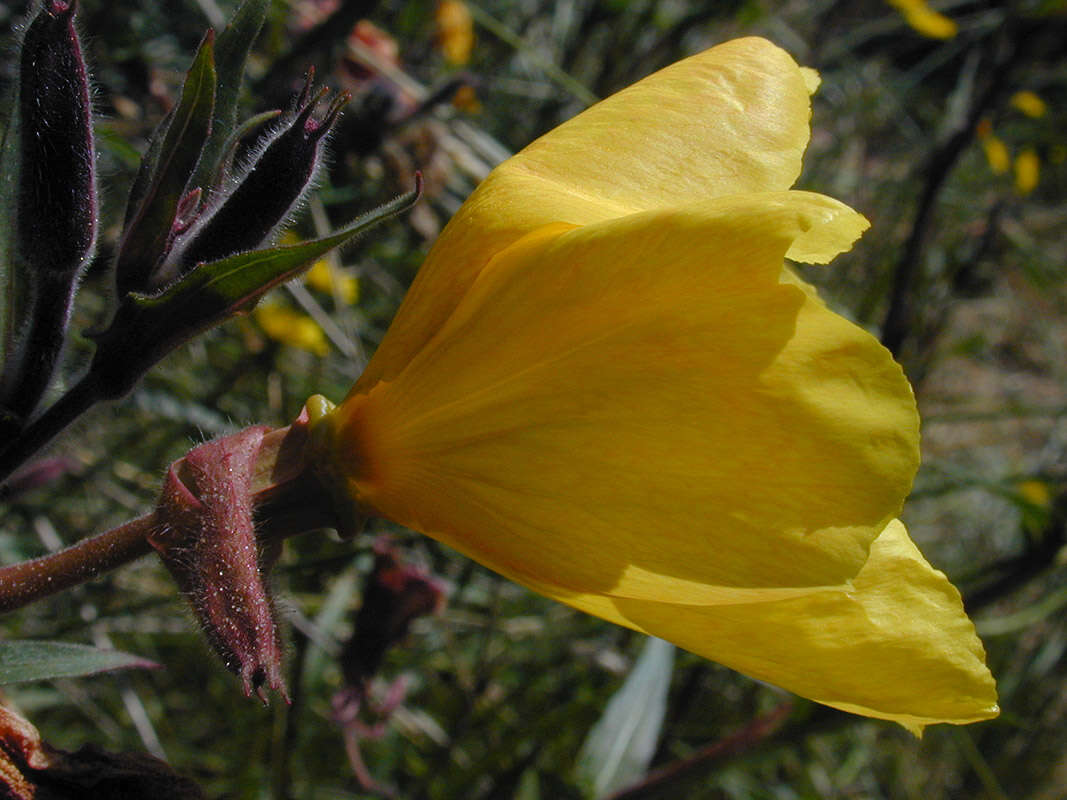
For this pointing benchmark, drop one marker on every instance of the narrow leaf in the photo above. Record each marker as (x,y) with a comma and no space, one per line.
(37,661)
(231,54)
(620,746)
(146,328)
(165,172)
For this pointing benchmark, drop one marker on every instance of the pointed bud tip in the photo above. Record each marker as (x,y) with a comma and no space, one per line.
(257,678)
(60,9)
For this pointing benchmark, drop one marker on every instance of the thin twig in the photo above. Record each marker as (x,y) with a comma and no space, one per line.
(740,742)
(898,320)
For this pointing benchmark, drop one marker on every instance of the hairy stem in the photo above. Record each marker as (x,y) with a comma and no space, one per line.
(25,583)
(287,499)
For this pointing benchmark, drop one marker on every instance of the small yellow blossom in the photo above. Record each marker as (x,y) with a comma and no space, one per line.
(605,384)
(1035,492)
(455,31)
(1027,171)
(466,99)
(324,278)
(923,19)
(1029,103)
(996,152)
(292,328)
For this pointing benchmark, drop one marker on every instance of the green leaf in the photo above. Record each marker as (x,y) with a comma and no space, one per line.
(146,328)
(620,746)
(165,171)
(37,661)
(231,54)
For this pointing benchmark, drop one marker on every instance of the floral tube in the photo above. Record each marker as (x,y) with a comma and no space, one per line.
(605,385)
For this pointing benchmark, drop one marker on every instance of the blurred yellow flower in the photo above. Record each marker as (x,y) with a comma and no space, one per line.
(604,384)
(1027,171)
(996,152)
(1029,103)
(324,278)
(466,99)
(455,31)
(292,328)
(919,15)
(1035,492)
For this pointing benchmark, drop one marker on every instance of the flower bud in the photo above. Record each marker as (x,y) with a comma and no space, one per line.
(57,209)
(265,192)
(207,541)
(395,594)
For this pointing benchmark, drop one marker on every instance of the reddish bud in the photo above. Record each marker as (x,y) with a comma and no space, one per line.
(208,542)
(187,211)
(396,593)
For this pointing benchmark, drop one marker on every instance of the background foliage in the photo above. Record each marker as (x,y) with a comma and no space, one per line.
(962,274)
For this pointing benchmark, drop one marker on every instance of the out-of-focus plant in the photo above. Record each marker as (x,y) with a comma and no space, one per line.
(603,384)
(919,15)
(199,229)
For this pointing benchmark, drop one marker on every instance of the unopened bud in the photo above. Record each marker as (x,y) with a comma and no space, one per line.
(57,209)
(207,540)
(275,180)
(396,593)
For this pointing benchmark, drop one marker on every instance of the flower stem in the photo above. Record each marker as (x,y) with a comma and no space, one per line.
(25,583)
(286,497)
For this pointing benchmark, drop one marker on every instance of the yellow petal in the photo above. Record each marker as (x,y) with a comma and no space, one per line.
(996,153)
(925,20)
(898,646)
(292,328)
(1030,103)
(455,31)
(733,119)
(642,400)
(1027,171)
(326,279)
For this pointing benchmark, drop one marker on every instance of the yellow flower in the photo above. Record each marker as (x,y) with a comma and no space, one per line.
(292,328)
(924,19)
(1029,103)
(996,152)
(324,278)
(455,31)
(1035,492)
(1027,171)
(604,385)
